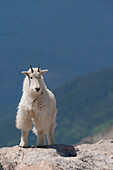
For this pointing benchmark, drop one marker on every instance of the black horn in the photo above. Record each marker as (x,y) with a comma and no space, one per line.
(31,68)
(38,68)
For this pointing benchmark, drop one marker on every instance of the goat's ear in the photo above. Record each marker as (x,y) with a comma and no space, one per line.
(26,73)
(43,71)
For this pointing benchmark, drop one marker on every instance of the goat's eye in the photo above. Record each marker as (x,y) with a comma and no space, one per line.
(31,77)
(39,77)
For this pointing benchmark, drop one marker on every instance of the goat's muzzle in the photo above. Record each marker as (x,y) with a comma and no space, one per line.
(37,89)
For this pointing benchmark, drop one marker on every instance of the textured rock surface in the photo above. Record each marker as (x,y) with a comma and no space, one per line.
(59,157)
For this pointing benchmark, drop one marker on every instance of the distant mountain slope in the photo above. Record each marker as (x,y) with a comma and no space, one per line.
(69,37)
(85,107)
(106,133)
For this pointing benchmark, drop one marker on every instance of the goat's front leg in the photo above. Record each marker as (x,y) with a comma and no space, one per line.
(24,135)
(41,139)
(50,136)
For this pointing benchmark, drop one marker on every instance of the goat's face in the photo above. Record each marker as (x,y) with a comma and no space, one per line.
(35,80)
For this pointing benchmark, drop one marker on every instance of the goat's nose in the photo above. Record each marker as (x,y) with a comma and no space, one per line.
(37,89)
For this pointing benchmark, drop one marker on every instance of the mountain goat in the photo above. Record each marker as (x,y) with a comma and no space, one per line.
(38,107)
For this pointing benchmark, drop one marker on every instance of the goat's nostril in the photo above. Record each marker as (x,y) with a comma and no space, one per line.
(37,89)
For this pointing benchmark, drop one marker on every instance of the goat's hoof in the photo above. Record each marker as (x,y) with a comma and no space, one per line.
(22,145)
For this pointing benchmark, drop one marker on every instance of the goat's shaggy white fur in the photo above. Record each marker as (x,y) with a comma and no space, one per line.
(37,107)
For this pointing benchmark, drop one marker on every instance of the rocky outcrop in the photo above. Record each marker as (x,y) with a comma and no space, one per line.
(104,134)
(59,157)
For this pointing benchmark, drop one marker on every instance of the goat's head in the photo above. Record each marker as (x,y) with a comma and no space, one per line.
(35,80)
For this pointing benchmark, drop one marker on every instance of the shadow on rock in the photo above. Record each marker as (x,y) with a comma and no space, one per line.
(63,150)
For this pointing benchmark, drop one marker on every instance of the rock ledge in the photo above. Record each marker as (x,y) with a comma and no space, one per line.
(58,157)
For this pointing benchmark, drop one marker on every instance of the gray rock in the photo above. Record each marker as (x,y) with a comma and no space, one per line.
(59,157)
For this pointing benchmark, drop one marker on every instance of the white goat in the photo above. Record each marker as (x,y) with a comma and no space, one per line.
(37,106)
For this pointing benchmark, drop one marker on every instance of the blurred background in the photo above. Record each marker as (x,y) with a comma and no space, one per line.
(74,40)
